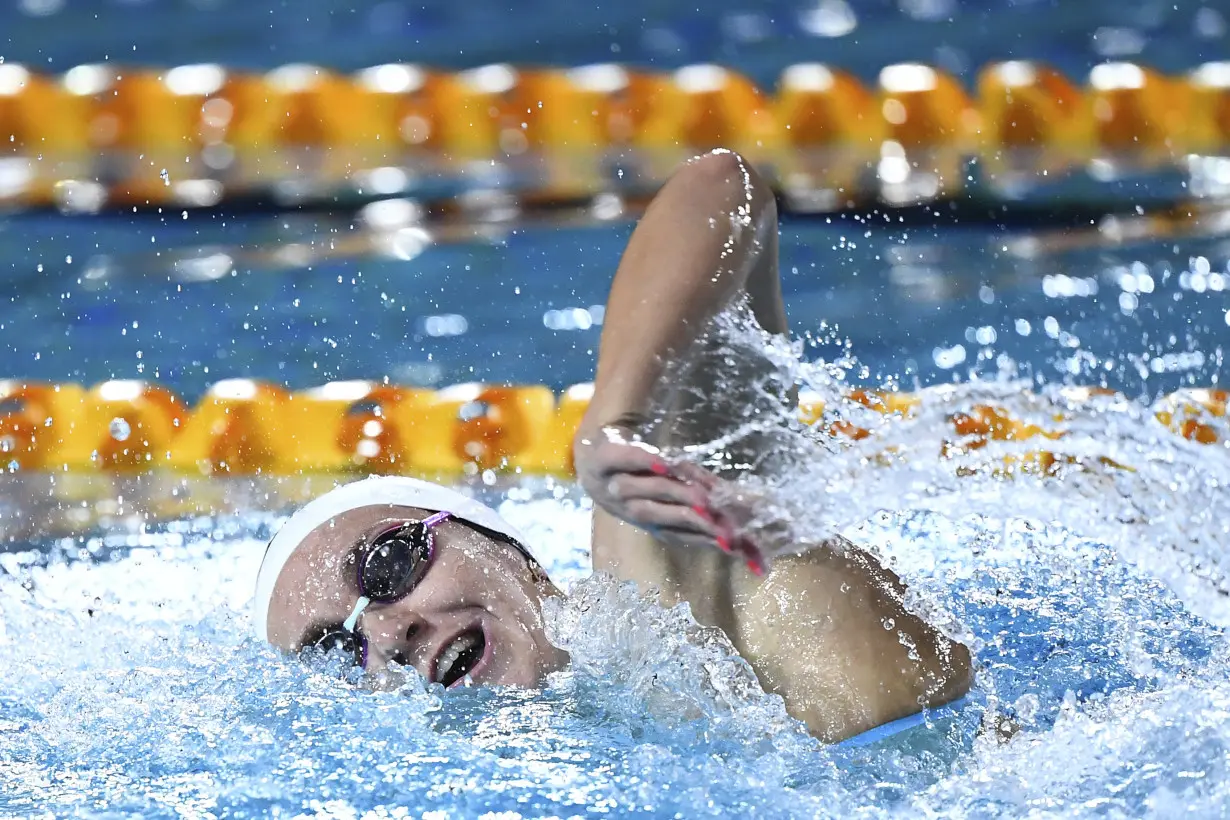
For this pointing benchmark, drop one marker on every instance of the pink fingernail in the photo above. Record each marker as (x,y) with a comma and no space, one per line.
(700,510)
(723,544)
(756,567)
(659,469)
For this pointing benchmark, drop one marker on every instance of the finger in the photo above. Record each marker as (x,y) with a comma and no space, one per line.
(656,515)
(612,457)
(757,562)
(696,473)
(740,541)
(628,486)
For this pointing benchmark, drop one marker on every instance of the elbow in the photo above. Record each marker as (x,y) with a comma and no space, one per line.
(956,673)
(725,175)
(718,166)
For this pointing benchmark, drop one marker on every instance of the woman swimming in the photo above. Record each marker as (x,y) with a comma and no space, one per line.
(404,571)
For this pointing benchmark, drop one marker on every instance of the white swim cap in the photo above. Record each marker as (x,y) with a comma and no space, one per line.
(404,492)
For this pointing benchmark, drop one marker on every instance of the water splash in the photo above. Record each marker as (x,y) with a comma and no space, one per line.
(662,664)
(1092,594)
(133,687)
(1100,465)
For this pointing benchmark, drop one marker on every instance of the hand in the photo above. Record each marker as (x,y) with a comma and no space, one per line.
(672,500)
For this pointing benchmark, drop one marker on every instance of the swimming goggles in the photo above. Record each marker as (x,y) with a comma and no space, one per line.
(386,570)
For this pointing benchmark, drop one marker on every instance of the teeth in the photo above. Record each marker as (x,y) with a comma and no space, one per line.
(459,645)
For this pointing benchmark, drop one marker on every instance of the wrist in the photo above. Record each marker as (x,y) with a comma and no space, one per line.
(600,417)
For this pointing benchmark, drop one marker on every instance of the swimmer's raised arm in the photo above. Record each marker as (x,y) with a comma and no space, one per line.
(710,233)
(827,628)
(709,236)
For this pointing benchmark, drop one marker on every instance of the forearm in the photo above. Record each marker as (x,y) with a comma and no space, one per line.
(709,235)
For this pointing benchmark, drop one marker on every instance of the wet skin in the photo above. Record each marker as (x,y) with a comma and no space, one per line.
(473,582)
(826,628)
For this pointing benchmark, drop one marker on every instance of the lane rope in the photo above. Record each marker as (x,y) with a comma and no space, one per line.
(198,136)
(247,427)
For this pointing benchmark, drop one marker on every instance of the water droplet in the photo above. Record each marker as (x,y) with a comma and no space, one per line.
(1027,707)
(889,623)
(120,431)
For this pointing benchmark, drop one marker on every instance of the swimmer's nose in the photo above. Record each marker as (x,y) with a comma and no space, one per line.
(398,634)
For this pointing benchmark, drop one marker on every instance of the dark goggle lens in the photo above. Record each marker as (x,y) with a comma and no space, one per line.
(395,563)
(339,640)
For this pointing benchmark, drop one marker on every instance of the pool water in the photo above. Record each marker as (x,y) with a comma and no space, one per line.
(188,302)
(1097,599)
(1096,602)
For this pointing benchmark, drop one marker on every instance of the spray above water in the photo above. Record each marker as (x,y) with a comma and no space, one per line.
(1089,584)
(1094,463)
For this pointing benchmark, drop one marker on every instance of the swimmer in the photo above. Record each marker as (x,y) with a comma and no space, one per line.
(395,570)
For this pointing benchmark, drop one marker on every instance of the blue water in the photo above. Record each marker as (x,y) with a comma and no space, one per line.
(109,298)
(134,690)
(1097,601)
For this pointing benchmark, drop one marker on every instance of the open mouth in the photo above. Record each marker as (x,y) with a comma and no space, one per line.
(461,656)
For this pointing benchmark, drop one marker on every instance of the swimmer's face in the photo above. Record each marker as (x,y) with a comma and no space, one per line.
(478,608)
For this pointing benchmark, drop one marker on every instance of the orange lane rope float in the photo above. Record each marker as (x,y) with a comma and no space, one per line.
(247,427)
(194,135)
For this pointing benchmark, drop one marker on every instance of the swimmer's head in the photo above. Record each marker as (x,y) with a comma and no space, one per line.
(461,596)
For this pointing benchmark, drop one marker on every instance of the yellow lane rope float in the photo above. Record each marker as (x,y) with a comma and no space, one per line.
(246,427)
(106,135)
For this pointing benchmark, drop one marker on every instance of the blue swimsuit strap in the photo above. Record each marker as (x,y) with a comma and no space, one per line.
(895,727)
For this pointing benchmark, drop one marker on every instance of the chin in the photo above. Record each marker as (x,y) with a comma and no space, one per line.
(533,672)
(553,660)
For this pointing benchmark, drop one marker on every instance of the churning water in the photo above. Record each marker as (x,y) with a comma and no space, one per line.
(1094,592)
